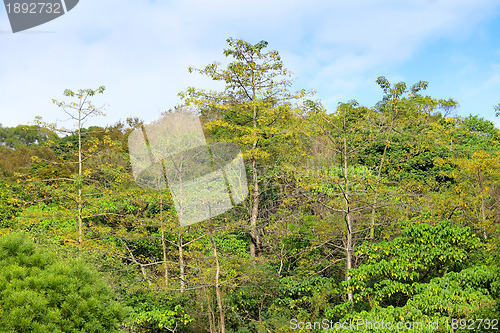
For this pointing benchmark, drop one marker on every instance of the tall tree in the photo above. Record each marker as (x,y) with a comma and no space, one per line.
(402,120)
(79,111)
(332,179)
(255,98)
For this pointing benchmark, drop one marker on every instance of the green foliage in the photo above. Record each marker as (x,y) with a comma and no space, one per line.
(156,313)
(9,204)
(24,135)
(479,132)
(233,244)
(479,126)
(461,294)
(466,295)
(305,298)
(39,292)
(393,269)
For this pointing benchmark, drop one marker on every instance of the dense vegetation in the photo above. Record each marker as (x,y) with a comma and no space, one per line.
(387,213)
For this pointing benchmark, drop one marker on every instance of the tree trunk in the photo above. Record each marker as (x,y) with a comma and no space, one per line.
(144,274)
(164,247)
(349,256)
(255,243)
(379,172)
(79,199)
(348,220)
(217,284)
(182,274)
(254,234)
(211,316)
(483,208)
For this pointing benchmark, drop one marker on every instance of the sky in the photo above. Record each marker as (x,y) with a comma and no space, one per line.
(140,51)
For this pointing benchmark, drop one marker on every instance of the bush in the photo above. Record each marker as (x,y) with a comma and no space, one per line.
(39,292)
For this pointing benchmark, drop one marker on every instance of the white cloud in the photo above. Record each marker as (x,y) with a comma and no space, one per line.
(141,50)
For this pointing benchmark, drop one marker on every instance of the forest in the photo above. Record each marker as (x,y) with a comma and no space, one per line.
(354,219)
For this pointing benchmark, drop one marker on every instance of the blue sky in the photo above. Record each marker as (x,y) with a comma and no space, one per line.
(140,50)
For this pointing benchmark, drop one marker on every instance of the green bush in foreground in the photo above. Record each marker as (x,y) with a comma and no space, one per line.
(41,293)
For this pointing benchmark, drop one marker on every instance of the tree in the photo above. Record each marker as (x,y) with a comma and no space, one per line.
(331,178)
(348,154)
(402,122)
(41,292)
(476,175)
(80,111)
(24,135)
(255,99)
(424,275)
(392,109)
